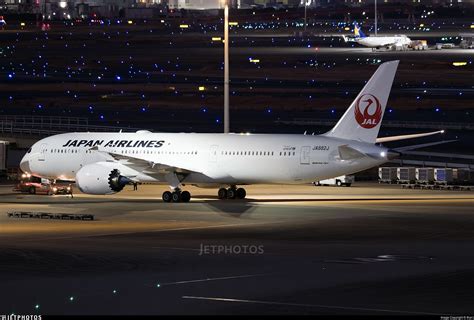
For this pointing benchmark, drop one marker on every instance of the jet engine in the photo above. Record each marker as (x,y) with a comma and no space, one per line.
(99,179)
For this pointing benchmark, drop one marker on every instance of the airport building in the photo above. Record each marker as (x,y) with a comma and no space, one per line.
(195,4)
(67,9)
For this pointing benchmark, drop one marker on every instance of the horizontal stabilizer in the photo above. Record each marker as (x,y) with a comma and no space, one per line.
(407,136)
(424,145)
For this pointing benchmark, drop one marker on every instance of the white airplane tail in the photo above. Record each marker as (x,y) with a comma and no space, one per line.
(363,118)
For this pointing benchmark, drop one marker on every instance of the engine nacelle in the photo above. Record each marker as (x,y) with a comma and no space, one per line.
(100,179)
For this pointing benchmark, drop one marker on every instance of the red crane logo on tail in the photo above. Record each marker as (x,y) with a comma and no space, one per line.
(364,104)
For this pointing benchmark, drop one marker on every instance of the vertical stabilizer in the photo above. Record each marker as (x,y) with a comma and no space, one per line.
(358,31)
(363,118)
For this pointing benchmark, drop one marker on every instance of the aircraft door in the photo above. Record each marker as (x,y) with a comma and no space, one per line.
(305,155)
(213,153)
(43,150)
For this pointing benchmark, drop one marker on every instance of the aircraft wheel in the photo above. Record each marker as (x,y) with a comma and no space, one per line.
(222,193)
(240,193)
(167,196)
(185,196)
(176,196)
(231,193)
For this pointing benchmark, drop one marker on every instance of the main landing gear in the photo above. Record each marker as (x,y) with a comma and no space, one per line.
(184,196)
(231,193)
(176,196)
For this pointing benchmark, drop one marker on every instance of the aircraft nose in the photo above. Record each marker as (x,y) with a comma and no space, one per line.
(25,164)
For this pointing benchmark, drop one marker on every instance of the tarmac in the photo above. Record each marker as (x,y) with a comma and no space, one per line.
(365,249)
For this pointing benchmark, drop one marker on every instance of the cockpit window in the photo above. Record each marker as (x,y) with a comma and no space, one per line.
(29,150)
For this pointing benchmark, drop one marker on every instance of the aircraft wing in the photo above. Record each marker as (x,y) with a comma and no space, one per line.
(145,166)
(407,136)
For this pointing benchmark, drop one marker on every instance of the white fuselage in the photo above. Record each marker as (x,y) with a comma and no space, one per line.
(384,41)
(212,159)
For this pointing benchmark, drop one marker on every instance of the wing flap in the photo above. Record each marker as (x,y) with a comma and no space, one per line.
(146,166)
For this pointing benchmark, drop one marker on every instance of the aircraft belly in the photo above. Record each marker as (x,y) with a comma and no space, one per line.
(234,171)
(264,170)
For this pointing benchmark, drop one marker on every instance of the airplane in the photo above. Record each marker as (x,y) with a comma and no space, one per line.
(378,42)
(104,163)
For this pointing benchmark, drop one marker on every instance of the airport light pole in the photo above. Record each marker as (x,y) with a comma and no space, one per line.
(305,15)
(226,67)
(375,17)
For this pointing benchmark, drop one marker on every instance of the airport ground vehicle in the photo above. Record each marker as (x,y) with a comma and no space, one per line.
(466,45)
(424,175)
(388,175)
(467,41)
(429,178)
(34,185)
(443,175)
(419,45)
(463,176)
(45,26)
(440,46)
(406,175)
(337,181)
